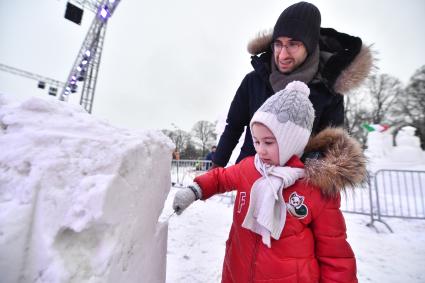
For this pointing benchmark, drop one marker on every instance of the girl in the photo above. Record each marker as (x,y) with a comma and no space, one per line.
(285,228)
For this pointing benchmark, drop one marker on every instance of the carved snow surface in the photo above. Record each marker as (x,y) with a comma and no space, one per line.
(79,198)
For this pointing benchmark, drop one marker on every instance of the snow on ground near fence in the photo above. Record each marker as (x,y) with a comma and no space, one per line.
(196,243)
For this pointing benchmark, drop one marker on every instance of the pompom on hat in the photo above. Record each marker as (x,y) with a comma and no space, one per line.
(289,115)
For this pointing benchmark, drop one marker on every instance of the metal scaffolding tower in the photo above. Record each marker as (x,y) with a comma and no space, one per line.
(41,79)
(86,65)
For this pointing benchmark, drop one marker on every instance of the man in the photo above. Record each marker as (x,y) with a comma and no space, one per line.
(329,62)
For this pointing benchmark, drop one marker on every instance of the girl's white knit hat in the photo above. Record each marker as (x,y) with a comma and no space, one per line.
(289,115)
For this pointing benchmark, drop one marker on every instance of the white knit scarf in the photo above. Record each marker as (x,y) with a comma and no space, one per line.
(266,214)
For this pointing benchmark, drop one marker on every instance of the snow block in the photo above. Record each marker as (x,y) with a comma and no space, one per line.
(79,198)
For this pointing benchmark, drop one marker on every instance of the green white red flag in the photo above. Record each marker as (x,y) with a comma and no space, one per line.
(375,127)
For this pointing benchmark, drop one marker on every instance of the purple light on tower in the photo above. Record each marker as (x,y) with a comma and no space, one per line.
(104,13)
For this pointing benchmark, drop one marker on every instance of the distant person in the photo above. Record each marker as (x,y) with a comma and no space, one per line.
(285,228)
(176,155)
(329,62)
(210,154)
(210,157)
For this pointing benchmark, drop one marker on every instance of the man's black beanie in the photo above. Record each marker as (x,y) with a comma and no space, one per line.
(300,21)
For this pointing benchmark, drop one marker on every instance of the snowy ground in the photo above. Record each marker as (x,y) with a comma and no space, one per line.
(196,243)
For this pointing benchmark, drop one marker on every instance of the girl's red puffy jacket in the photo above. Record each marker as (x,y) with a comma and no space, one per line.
(312,246)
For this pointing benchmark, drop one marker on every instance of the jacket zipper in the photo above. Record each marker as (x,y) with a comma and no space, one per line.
(254,258)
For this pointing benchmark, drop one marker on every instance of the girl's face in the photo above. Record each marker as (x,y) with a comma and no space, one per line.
(265,144)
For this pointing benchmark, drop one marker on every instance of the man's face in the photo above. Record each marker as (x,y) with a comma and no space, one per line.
(288,54)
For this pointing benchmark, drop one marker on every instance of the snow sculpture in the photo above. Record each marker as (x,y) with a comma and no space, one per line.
(406,137)
(407,149)
(79,198)
(379,144)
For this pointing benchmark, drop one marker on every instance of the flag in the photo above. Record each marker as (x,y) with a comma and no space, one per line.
(375,127)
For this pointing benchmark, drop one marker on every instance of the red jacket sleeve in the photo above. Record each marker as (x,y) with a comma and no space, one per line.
(218,180)
(334,253)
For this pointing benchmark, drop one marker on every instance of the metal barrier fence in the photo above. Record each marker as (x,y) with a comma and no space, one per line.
(388,193)
(184,171)
(397,193)
(357,200)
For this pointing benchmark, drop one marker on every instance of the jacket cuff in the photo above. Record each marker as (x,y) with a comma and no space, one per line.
(196,189)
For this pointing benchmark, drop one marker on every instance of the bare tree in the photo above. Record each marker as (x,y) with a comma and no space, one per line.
(179,138)
(385,92)
(377,102)
(356,114)
(204,131)
(384,100)
(190,151)
(414,102)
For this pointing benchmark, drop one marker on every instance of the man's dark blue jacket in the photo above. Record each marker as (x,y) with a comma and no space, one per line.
(344,64)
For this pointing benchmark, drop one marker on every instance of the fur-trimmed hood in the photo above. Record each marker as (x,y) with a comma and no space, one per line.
(342,166)
(345,60)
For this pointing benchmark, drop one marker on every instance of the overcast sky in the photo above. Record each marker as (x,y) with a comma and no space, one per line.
(181,61)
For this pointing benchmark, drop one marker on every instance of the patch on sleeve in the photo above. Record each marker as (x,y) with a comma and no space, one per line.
(296,206)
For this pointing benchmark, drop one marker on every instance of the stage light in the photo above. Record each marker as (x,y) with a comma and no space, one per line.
(41,84)
(73,13)
(53,91)
(87,53)
(104,13)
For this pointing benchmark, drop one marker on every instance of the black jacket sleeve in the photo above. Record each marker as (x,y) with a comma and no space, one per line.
(237,118)
(328,107)
(333,114)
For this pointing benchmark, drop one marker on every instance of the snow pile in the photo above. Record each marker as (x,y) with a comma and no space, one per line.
(79,198)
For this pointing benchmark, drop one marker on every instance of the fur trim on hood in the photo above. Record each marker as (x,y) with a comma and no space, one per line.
(348,66)
(342,166)
(260,43)
(353,76)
